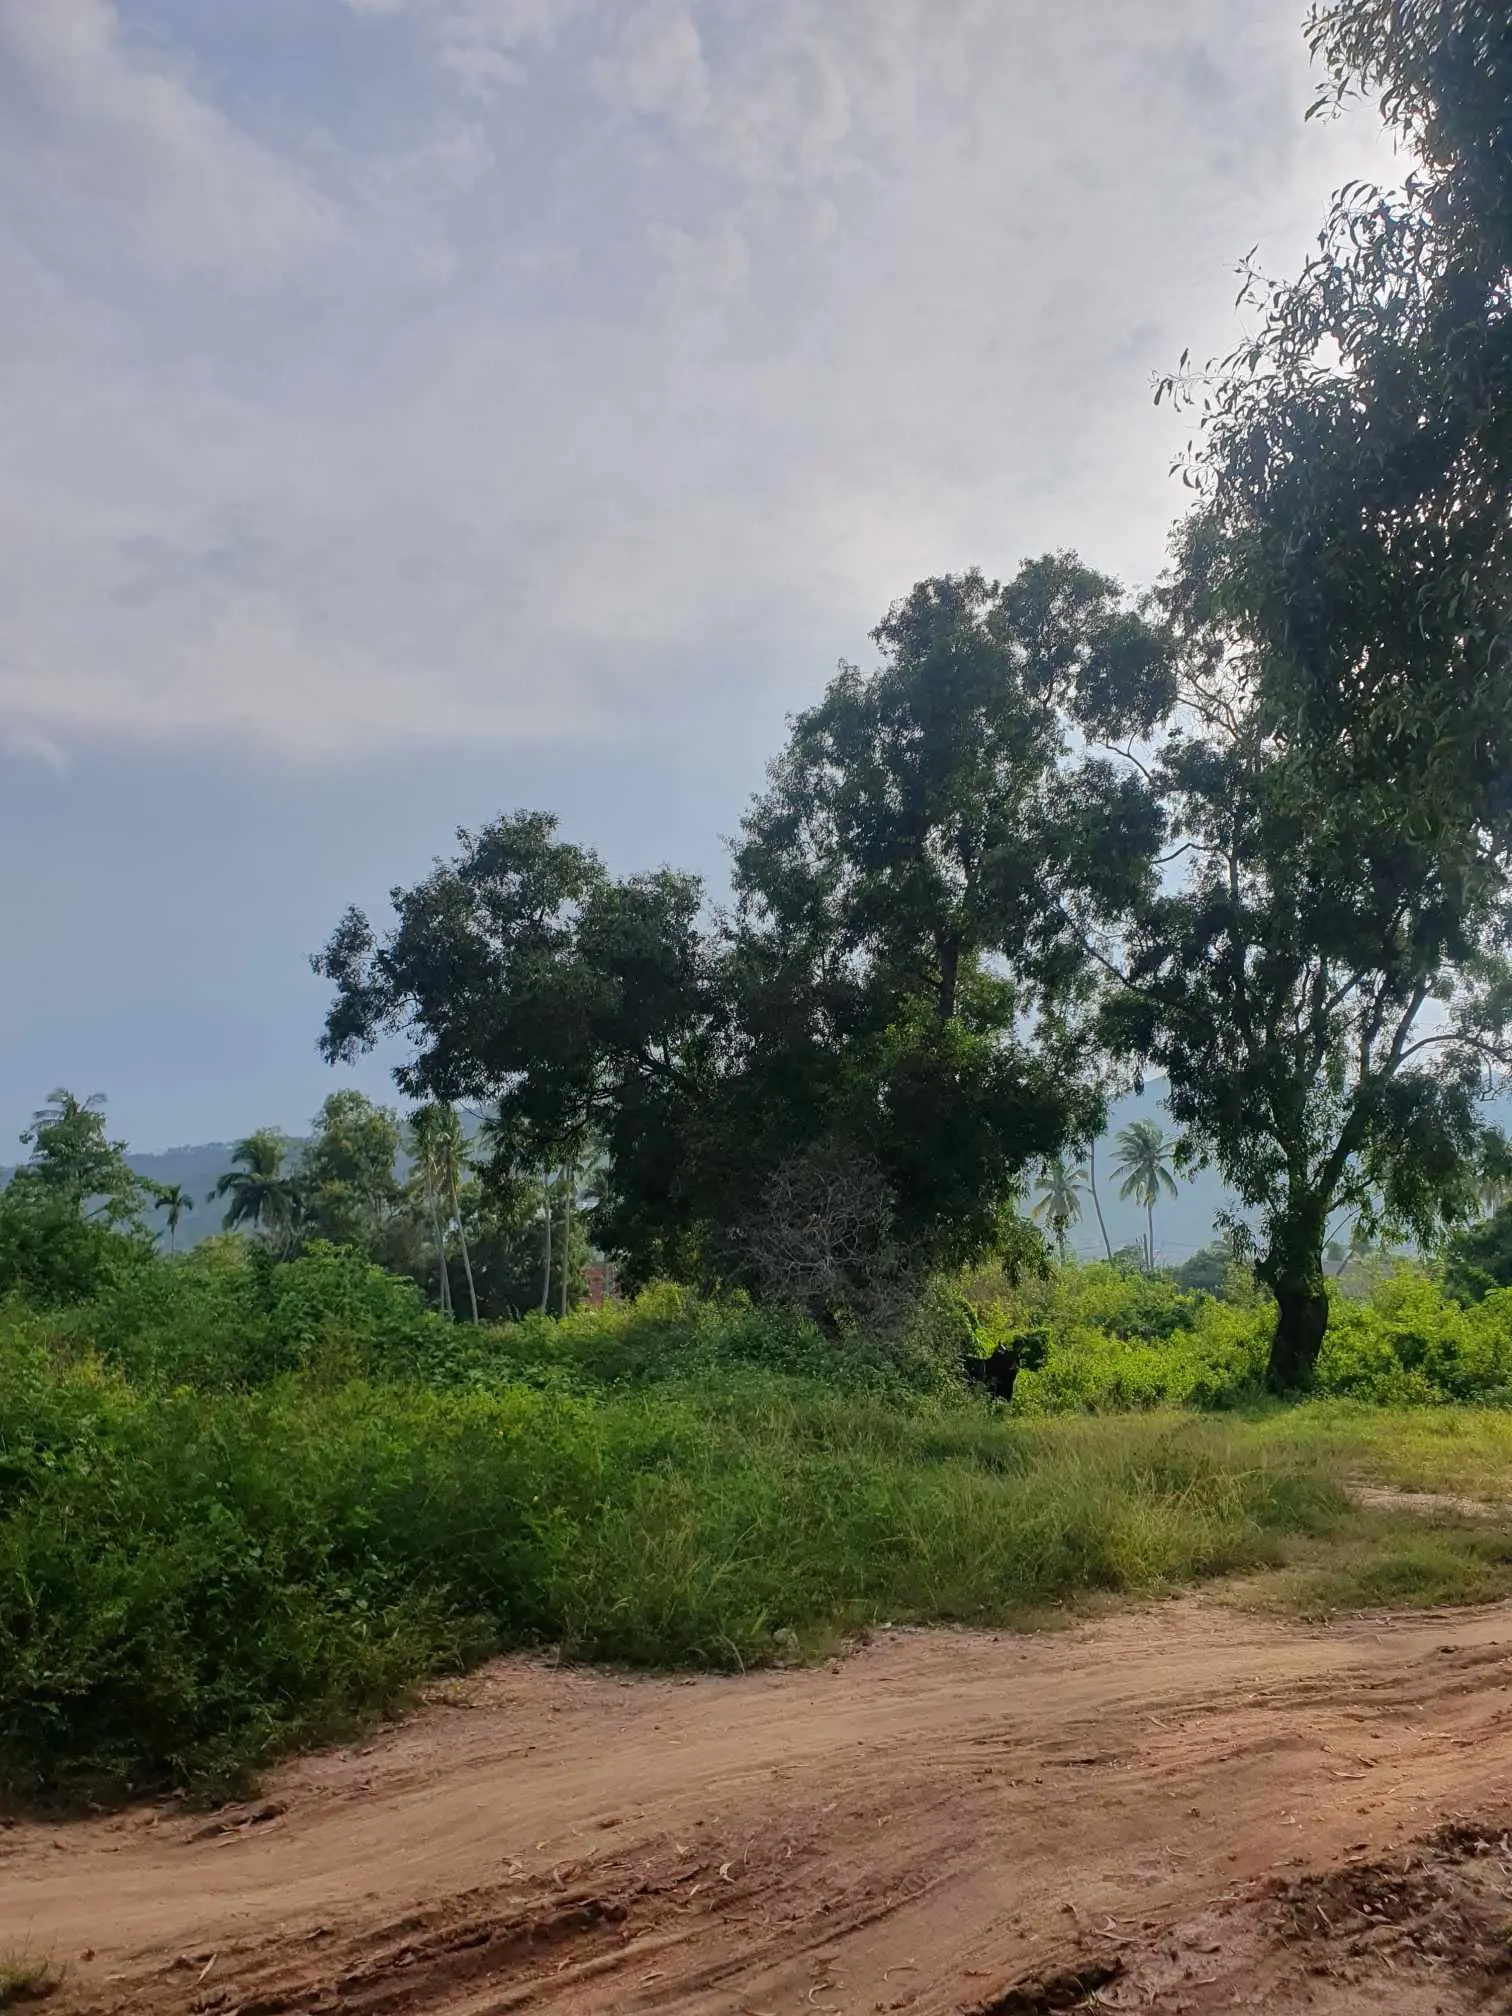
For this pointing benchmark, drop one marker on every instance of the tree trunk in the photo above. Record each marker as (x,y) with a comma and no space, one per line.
(472,1293)
(1293,1271)
(1301,1324)
(1150,1237)
(1096,1200)
(546,1274)
(570,1177)
(444,1273)
(950,968)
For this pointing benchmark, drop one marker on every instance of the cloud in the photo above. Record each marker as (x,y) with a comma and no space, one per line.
(117,152)
(614,355)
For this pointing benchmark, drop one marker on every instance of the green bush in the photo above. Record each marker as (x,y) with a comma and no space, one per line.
(191,1581)
(1120,1342)
(245,1504)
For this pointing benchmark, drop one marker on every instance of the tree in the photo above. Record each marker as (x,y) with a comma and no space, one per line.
(439,1150)
(572,1006)
(1058,1204)
(73,1159)
(1283,980)
(1144,1162)
(908,964)
(1480,1257)
(261,1192)
(71,1216)
(426,1126)
(901,981)
(348,1182)
(172,1200)
(1096,1199)
(1331,987)
(1355,461)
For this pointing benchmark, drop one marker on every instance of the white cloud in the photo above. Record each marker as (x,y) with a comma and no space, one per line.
(666,370)
(657,66)
(119,148)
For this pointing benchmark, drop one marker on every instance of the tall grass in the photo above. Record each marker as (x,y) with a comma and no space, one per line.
(244,1506)
(191,1581)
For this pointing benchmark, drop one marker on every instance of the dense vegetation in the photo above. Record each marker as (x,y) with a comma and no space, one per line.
(247,1501)
(1252,830)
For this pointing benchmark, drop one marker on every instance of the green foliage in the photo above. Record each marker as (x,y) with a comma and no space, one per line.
(51,1253)
(262,1194)
(1120,1340)
(229,1316)
(1285,981)
(75,1162)
(1143,1160)
(1346,586)
(190,1581)
(875,1046)
(245,1503)
(1356,463)
(347,1186)
(71,1216)
(1480,1258)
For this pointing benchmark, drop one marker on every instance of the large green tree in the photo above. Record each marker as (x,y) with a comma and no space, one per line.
(573,1007)
(889,1019)
(914,890)
(1328,989)
(1355,457)
(1326,996)
(348,1181)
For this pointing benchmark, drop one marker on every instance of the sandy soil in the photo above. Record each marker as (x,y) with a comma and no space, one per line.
(1183,1809)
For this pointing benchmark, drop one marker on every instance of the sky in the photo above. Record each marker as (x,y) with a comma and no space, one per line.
(412,410)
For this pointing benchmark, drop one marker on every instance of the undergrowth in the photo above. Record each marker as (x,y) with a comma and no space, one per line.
(245,1507)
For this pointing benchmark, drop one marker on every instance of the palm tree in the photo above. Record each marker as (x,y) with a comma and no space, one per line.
(1096,1199)
(1058,1204)
(426,1131)
(173,1200)
(262,1192)
(452,1145)
(1144,1162)
(438,1144)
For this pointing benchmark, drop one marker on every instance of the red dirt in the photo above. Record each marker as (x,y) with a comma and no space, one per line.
(1183,1810)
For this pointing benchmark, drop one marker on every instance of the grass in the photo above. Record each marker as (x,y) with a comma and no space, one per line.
(1460,1451)
(1392,1561)
(25,1977)
(244,1509)
(191,1583)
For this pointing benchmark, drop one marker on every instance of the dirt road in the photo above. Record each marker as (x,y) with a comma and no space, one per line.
(1182,1809)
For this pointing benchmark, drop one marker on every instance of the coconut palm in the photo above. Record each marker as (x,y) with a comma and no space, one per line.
(425,1141)
(1144,1162)
(1058,1204)
(173,1200)
(437,1142)
(453,1147)
(1096,1198)
(262,1191)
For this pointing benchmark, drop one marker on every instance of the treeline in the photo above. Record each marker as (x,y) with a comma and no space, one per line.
(415,1196)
